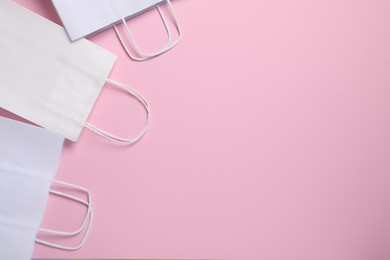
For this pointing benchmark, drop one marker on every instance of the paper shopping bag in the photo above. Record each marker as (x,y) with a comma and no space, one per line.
(29,157)
(83,18)
(48,80)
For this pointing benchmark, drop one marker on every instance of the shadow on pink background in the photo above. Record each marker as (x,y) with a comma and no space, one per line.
(269,136)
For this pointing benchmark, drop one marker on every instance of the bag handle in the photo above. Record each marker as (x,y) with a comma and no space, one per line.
(145,56)
(88,216)
(115,138)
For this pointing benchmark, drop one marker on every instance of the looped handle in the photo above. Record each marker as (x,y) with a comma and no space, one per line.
(88,216)
(145,56)
(115,138)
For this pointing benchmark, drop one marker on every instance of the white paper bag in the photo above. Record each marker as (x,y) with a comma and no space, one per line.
(28,163)
(48,80)
(85,17)
(29,157)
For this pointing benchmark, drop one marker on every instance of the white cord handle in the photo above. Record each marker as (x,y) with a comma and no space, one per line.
(88,216)
(145,56)
(115,138)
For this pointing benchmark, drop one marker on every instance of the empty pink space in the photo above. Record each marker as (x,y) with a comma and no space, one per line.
(269,136)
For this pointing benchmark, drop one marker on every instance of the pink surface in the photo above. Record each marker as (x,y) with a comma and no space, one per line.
(269,136)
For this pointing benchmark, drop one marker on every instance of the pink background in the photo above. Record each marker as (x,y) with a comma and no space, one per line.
(269,136)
